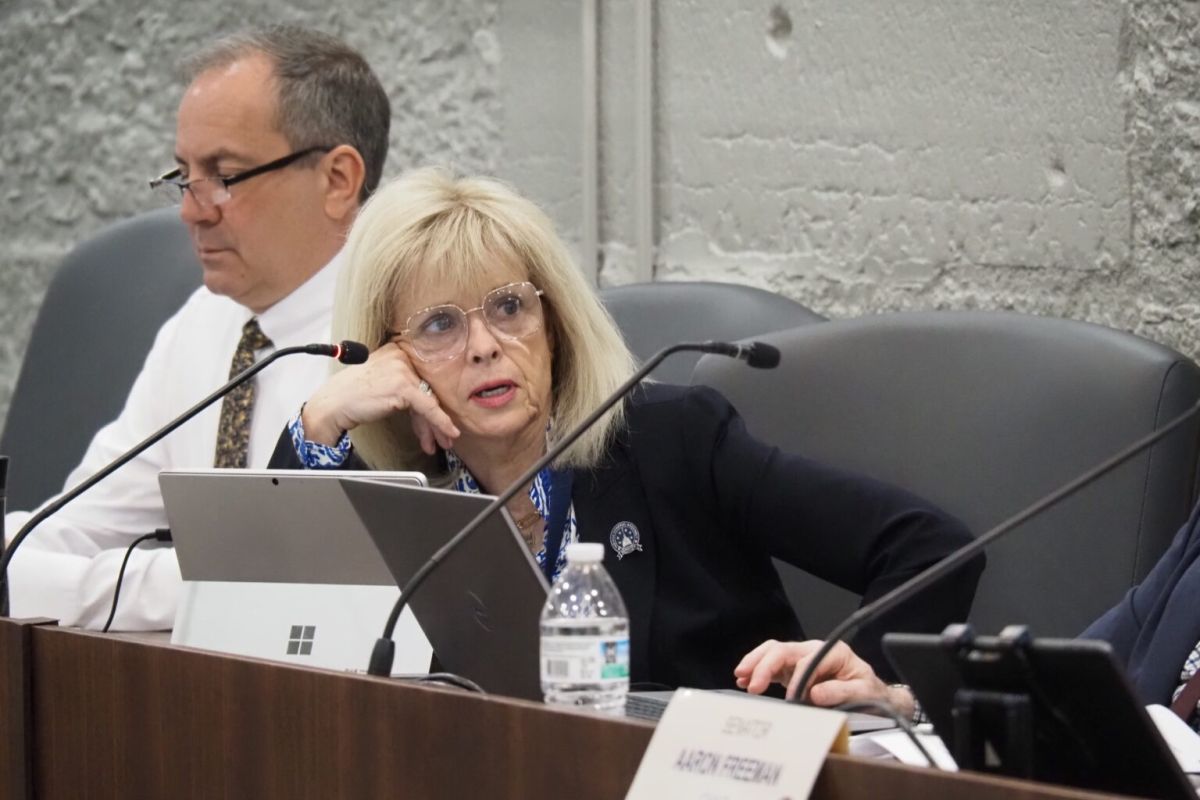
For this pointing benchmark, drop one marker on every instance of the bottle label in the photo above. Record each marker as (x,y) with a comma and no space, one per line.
(576,659)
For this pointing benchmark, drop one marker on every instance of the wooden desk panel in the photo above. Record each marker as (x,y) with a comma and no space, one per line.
(185,723)
(16,710)
(116,716)
(846,777)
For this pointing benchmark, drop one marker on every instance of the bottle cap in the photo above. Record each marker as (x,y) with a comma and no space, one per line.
(585,553)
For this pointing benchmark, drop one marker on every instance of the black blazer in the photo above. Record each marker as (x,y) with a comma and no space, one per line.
(1154,628)
(711,505)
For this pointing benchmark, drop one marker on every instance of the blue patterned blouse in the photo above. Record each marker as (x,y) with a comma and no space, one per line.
(320,456)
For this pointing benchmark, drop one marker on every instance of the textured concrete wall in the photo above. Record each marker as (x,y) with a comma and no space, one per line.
(89,94)
(540,77)
(874,155)
(884,156)
(1160,78)
(857,155)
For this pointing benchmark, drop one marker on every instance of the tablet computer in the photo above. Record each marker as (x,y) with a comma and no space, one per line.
(481,608)
(277,565)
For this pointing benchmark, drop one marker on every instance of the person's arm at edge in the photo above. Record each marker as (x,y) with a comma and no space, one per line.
(1122,624)
(67,568)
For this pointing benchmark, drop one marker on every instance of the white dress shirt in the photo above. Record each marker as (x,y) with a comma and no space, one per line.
(67,567)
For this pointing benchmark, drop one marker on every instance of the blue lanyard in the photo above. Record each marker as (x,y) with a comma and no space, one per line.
(558,498)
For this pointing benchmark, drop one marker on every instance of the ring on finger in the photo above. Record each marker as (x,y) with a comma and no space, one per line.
(424,388)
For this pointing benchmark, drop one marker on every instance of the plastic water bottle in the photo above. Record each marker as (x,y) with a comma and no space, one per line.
(585,636)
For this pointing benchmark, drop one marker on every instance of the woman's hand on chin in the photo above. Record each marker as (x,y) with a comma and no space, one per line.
(385,384)
(842,676)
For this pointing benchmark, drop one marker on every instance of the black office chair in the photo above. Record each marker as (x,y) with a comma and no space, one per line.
(652,316)
(984,413)
(92,333)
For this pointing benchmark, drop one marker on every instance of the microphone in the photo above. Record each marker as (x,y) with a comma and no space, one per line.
(384,653)
(757,354)
(3,494)
(936,571)
(346,352)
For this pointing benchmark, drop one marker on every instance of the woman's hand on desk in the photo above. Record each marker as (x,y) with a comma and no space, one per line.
(842,677)
(387,383)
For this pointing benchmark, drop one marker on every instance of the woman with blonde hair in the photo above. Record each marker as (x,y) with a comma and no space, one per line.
(487,343)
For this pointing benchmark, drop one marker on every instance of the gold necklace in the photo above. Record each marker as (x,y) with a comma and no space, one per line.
(525,526)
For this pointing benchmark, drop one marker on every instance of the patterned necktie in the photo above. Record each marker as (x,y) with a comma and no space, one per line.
(233,433)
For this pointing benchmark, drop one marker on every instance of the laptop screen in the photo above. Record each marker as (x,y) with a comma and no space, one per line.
(481,607)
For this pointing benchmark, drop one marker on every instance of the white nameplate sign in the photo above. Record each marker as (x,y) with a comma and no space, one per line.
(715,746)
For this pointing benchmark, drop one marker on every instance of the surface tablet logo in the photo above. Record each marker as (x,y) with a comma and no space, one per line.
(479,610)
(300,642)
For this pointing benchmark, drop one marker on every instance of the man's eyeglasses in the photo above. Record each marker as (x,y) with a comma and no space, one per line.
(439,333)
(215,190)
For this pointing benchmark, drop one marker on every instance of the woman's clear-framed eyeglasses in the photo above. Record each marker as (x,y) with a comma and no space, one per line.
(439,333)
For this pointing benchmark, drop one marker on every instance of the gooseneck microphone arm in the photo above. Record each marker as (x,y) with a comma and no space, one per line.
(3,495)
(346,352)
(756,354)
(959,557)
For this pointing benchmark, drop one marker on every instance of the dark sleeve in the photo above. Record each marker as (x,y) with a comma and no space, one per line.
(1122,624)
(858,533)
(286,457)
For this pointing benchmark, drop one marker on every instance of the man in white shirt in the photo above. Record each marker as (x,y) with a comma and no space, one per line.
(280,136)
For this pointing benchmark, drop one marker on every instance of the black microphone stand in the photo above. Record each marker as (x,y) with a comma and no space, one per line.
(966,553)
(3,495)
(345,350)
(384,653)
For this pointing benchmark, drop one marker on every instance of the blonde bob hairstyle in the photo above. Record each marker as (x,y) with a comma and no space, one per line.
(428,226)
